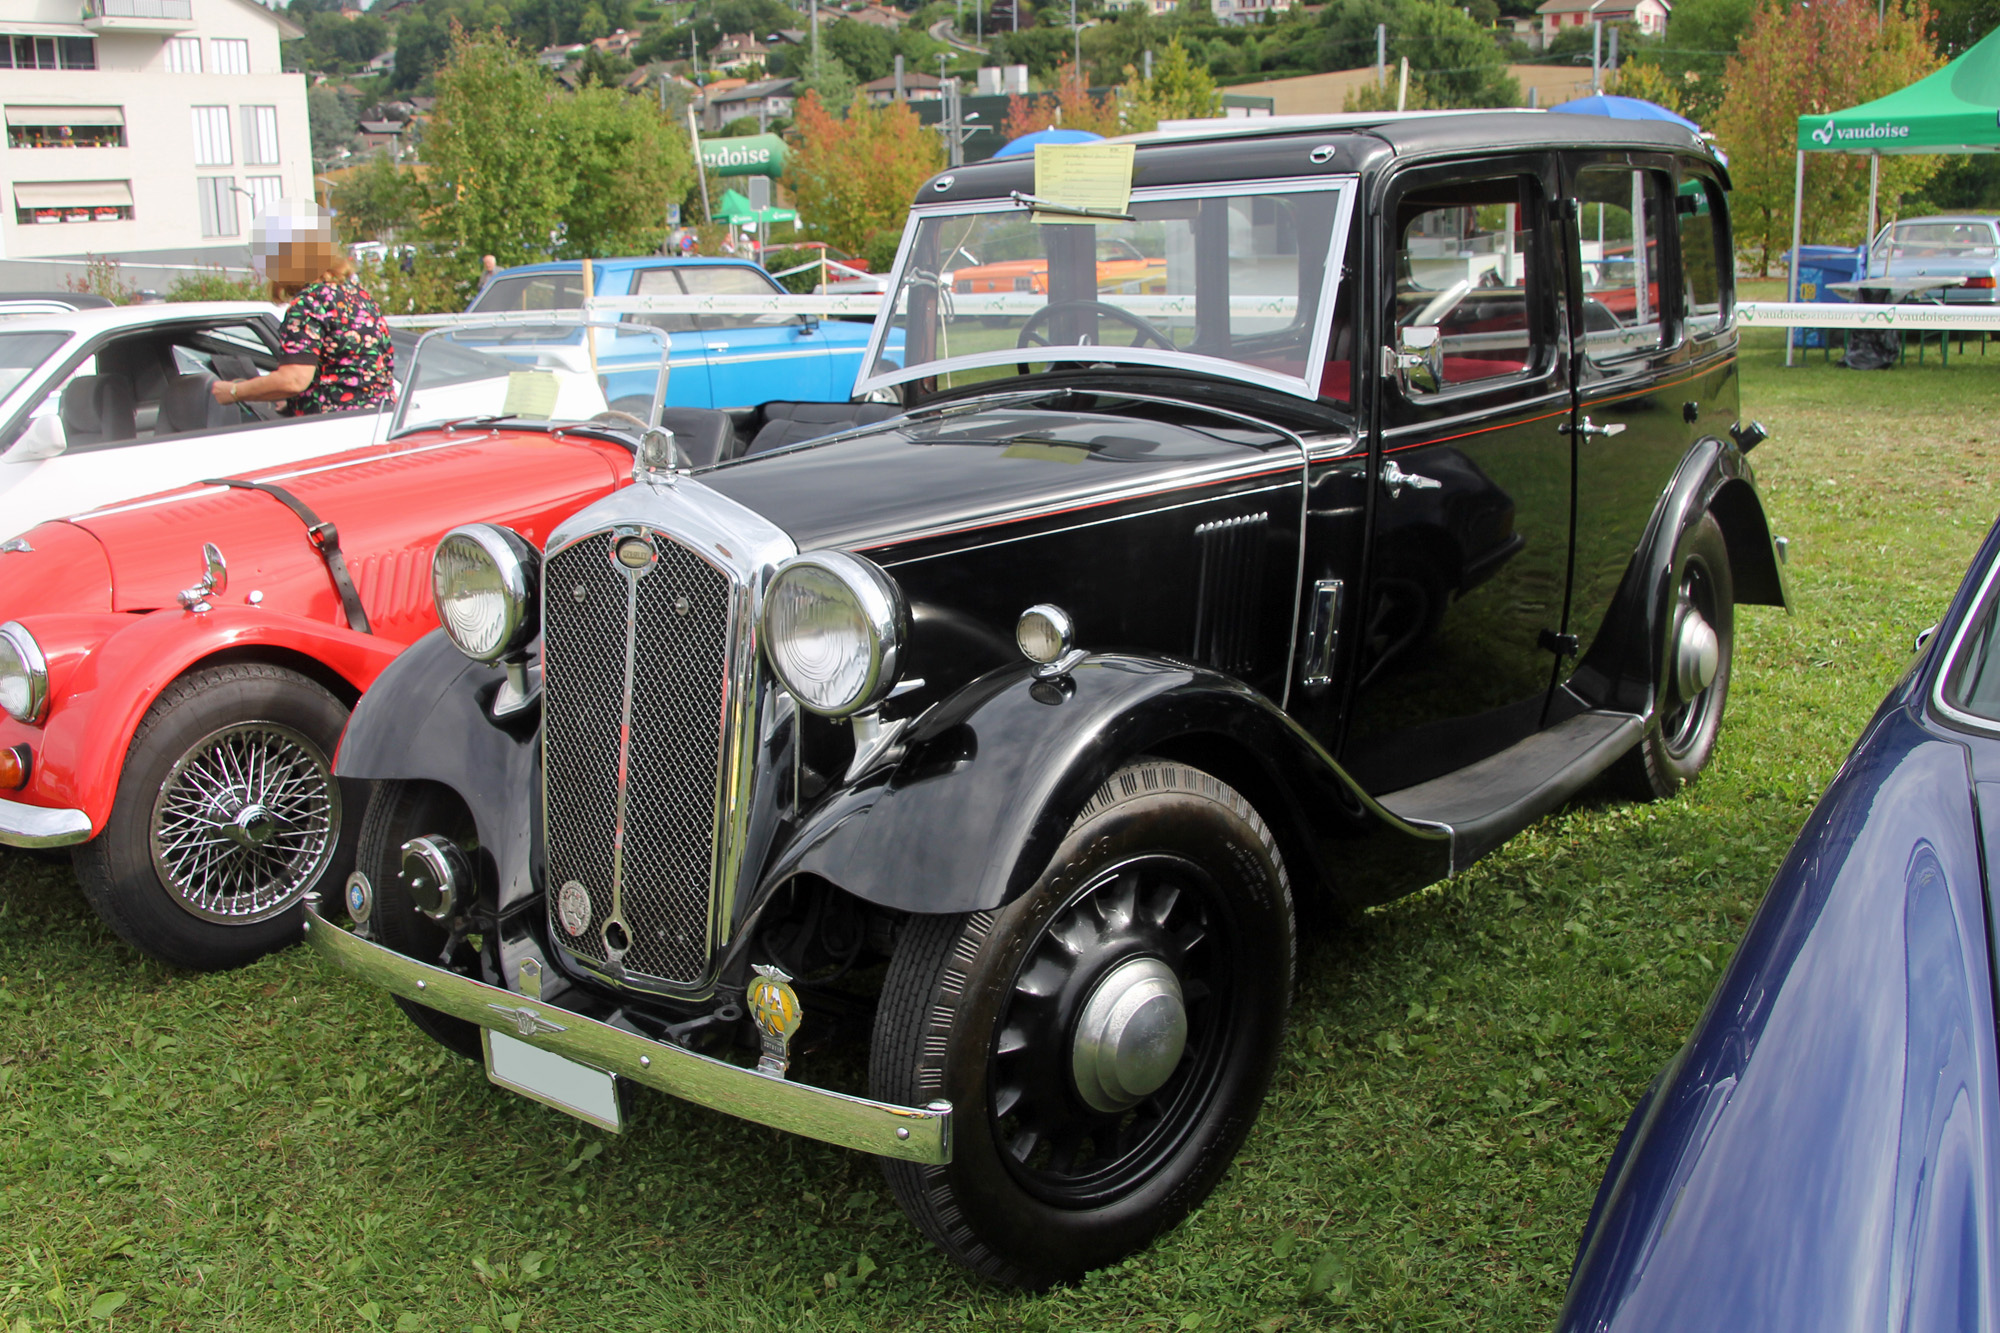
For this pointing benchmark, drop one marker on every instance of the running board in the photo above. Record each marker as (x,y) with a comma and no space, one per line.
(1483,805)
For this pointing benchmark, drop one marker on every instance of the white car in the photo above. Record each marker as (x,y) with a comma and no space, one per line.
(103,405)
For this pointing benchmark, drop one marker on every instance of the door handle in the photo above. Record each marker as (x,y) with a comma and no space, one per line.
(1395,479)
(1611,428)
(723,347)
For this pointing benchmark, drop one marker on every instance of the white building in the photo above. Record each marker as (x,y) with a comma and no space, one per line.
(1245,11)
(146,131)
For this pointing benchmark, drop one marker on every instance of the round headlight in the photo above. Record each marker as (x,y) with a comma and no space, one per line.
(24,674)
(486,582)
(833,629)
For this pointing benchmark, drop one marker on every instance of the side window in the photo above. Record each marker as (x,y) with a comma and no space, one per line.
(1465,266)
(532,291)
(1621,228)
(1705,266)
(733,280)
(661,282)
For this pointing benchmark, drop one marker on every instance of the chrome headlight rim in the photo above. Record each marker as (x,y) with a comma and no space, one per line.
(883,613)
(518,565)
(17,642)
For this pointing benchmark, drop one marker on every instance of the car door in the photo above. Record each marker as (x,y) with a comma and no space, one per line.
(689,380)
(755,359)
(1639,374)
(1470,530)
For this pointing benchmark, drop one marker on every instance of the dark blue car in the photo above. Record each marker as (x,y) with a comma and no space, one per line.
(1822,1153)
(723,361)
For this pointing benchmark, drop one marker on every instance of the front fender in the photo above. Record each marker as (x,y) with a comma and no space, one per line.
(428,718)
(992,777)
(115,666)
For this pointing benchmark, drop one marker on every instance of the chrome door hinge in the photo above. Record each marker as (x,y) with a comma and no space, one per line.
(1322,633)
(1395,479)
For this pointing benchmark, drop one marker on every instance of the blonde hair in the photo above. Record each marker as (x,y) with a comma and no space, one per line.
(337,267)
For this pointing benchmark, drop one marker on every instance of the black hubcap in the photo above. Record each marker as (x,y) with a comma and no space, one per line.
(1054,1143)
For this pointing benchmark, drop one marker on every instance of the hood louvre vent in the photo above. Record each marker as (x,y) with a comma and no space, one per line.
(1229,591)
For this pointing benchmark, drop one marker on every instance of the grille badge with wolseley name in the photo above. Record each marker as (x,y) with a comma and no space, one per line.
(526,1021)
(573,906)
(775,1009)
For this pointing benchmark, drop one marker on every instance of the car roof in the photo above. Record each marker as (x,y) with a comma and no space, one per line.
(640,261)
(112,318)
(1987,218)
(1289,147)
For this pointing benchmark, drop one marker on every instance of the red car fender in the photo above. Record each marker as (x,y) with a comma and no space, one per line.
(79,751)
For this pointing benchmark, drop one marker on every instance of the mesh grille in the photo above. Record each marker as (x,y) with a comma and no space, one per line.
(678,696)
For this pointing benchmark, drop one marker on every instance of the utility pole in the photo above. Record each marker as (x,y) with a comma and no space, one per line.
(1149,66)
(1611,62)
(1596,56)
(1381,54)
(1076,34)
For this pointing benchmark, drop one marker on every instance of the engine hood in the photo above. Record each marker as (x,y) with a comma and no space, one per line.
(966,468)
(53,567)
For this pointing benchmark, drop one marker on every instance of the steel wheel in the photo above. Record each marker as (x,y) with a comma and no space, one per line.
(1692,681)
(245,821)
(1108,1042)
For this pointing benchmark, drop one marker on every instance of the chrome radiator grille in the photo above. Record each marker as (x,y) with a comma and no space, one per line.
(634,699)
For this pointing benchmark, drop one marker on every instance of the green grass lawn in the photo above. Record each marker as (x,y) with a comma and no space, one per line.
(276,1148)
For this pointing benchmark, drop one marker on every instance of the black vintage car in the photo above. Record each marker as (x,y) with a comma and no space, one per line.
(1399,495)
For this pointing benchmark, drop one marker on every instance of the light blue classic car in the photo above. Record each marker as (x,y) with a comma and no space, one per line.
(722,361)
(1960,246)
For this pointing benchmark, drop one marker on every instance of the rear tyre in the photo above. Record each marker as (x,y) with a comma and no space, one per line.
(227,814)
(1694,669)
(1106,1038)
(398,812)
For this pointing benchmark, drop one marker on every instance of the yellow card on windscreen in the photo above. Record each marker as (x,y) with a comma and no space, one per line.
(531,395)
(1090,177)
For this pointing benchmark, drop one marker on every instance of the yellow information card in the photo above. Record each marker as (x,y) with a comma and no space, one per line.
(531,395)
(1092,176)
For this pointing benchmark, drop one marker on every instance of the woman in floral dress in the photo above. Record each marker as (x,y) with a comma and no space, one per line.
(333,344)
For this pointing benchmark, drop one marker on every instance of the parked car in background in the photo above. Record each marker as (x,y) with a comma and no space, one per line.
(1011,729)
(730,361)
(175,669)
(1121,267)
(1824,1151)
(103,404)
(1959,246)
(13,304)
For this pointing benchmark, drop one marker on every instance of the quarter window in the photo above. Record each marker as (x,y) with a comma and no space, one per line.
(1465,266)
(1704,229)
(1622,233)
(1971,683)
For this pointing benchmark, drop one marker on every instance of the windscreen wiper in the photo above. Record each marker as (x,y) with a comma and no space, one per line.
(1069,210)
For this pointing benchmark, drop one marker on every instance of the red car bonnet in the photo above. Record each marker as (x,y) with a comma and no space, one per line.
(64,569)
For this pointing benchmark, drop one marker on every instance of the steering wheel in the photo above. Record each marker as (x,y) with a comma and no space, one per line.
(1147,331)
(613,417)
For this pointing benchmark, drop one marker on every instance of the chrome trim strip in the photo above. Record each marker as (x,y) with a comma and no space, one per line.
(907,1133)
(1959,715)
(41,826)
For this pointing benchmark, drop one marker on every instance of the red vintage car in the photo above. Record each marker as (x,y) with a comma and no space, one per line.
(175,671)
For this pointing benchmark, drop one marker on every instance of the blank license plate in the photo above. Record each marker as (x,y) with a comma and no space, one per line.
(554,1080)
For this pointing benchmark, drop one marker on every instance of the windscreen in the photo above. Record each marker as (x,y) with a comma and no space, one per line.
(529,373)
(1227,283)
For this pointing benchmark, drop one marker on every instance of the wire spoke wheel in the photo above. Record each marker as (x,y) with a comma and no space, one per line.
(246,820)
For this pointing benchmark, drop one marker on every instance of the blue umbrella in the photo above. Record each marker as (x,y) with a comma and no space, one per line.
(1026,143)
(1623,108)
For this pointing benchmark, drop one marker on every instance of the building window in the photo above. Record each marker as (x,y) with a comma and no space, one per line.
(65,127)
(260,136)
(232,55)
(211,136)
(72,201)
(184,55)
(265,192)
(48,52)
(218,205)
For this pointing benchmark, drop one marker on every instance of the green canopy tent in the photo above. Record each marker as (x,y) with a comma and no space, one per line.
(1954,110)
(734,209)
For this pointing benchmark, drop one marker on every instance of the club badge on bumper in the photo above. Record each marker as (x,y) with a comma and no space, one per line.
(775,1009)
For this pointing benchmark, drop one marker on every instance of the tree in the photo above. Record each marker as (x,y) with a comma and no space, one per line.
(1705,36)
(621,166)
(1076,109)
(826,76)
(855,176)
(1652,84)
(1453,56)
(1178,90)
(497,178)
(1810,61)
(602,69)
(331,121)
(377,200)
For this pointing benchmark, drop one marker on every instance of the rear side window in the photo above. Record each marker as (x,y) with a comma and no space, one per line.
(1704,234)
(1465,266)
(1621,227)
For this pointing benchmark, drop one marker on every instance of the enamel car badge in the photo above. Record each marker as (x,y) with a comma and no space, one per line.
(573,907)
(775,1009)
(360,898)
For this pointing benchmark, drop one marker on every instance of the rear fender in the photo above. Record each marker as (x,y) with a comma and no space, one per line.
(992,777)
(107,685)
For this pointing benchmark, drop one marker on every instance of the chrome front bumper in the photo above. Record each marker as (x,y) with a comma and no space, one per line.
(41,826)
(912,1134)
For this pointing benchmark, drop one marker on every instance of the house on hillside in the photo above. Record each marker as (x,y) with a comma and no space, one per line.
(917,87)
(1153,7)
(1248,11)
(737,50)
(617,44)
(877,16)
(1648,16)
(767,99)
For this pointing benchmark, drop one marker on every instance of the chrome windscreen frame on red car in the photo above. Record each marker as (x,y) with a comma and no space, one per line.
(882,372)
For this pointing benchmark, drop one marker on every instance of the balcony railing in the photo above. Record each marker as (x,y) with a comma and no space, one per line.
(141,11)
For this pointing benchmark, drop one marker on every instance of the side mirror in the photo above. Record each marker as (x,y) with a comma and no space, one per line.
(808,324)
(1420,358)
(44,438)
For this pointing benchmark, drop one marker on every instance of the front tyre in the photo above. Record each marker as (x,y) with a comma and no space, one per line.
(398,812)
(1106,1038)
(227,814)
(1694,674)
